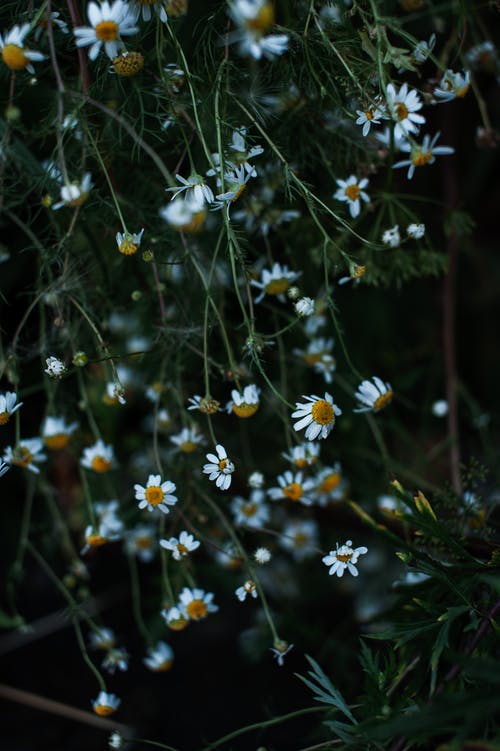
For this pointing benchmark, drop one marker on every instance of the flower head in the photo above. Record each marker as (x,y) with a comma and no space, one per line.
(156,494)
(304,307)
(128,243)
(373,396)
(300,538)
(415,231)
(452,86)
(220,468)
(182,546)
(344,557)
(262,556)
(141,541)
(391,237)
(28,453)
(254,18)
(248,588)
(188,440)
(294,487)
(8,406)
(75,193)
(317,416)
(100,457)
(280,650)
(205,404)
(55,367)
(352,192)
(175,619)
(403,107)
(330,485)
(14,54)
(371,115)
(56,432)
(160,657)
(250,513)
(303,455)
(422,154)
(244,404)
(194,188)
(184,215)
(108,22)
(105,704)
(275,282)
(196,604)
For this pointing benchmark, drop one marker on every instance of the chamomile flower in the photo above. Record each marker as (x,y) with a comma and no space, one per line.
(330,485)
(280,650)
(188,440)
(194,188)
(196,603)
(415,231)
(352,192)
(303,455)
(373,396)
(317,416)
(182,546)
(95,537)
(304,307)
(344,557)
(175,619)
(141,541)
(254,18)
(262,556)
(235,183)
(300,538)
(108,22)
(106,704)
(244,404)
(100,457)
(256,480)
(275,282)
(220,468)
(241,154)
(422,154)
(14,54)
(28,453)
(422,50)
(251,513)
(114,394)
(75,193)
(145,8)
(205,404)
(403,107)
(8,406)
(116,659)
(184,215)
(248,588)
(294,487)
(56,432)
(128,243)
(159,658)
(319,356)
(391,237)
(156,494)
(55,367)
(452,86)
(373,114)
(102,639)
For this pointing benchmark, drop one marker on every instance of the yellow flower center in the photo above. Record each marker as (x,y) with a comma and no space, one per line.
(382,401)
(143,543)
(100,464)
(128,64)
(238,193)
(369,115)
(293,491)
(197,609)
(14,57)
(128,248)
(188,447)
(57,441)
(358,272)
(299,539)
(421,158)
(182,549)
(222,464)
(352,192)
(250,509)
(23,457)
(463,91)
(209,406)
(178,624)
(4,417)
(163,667)
(95,541)
(263,20)
(344,557)
(301,463)
(154,495)
(107,31)
(104,710)
(313,359)
(245,410)
(330,482)
(401,111)
(322,412)
(277,286)
(79,201)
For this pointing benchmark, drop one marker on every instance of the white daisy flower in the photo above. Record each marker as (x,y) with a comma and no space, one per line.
(300,538)
(75,193)
(100,457)
(415,231)
(108,22)
(273,45)
(56,432)
(373,396)
(181,547)
(160,657)
(423,49)
(318,355)
(248,588)
(55,367)
(280,650)
(28,453)
(303,455)
(352,192)
(241,154)
(403,106)
(196,603)
(115,740)
(254,18)
(220,468)
(422,154)
(188,440)
(128,243)
(116,659)
(14,54)
(251,513)
(106,704)
(344,557)
(114,394)
(8,406)
(275,282)
(103,639)
(292,486)
(184,215)
(317,416)
(245,404)
(391,237)
(145,8)
(372,115)
(262,556)
(205,404)
(256,480)
(175,619)
(156,494)
(330,485)
(235,183)
(141,541)
(195,189)
(452,86)
(304,307)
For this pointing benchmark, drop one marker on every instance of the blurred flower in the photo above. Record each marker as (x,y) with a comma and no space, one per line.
(256,480)
(14,54)
(262,556)
(144,7)
(440,408)
(391,237)
(330,485)
(250,513)
(300,538)
(188,440)
(175,619)
(275,282)
(28,453)
(248,588)
(55,367)
(104,638)
(106,704)
(108,21)
(8,406)
(141,541)
(160,657)
(56,432)
(100,457)
(304,307)
(116,659)
(196,603)
(415,231)
(128,243)
(75,193)
(303,455)
(293,487)
(351,191)
(280,650)
(421,155)
(181,547)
